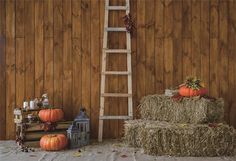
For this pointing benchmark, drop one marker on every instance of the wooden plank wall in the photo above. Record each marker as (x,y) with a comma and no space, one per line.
(54,46)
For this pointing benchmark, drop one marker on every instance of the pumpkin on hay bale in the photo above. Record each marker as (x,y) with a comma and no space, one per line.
(163,138)
(192,87)
(187,110)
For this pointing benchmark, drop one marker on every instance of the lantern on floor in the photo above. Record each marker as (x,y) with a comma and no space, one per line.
(73,135)
(78,132)
(82,123)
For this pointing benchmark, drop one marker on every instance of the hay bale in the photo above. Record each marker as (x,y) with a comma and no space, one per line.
(163,138)
(189,140)
(133,130)
(187,110)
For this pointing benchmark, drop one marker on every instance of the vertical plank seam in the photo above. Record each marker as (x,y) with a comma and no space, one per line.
(228,26)
(15,50)
(228,114)
(53,55)
(5,89)
(62,54)
(43,51)
(35,1)
(209,45)
(154,48)
(90,61)
(163,55)
(191,56)
(182,61)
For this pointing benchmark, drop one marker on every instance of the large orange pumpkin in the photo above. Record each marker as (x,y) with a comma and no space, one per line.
(53,142)
(51,115)
(189,92)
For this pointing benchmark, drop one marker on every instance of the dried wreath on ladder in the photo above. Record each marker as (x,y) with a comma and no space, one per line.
(129,24)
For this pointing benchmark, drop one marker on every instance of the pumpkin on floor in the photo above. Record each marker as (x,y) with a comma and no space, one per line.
(53,142)
(51,115)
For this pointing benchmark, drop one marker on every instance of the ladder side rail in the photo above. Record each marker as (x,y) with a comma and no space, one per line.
(103,77)
(129,66)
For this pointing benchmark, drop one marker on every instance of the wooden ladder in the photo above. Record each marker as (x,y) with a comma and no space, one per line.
(105,72)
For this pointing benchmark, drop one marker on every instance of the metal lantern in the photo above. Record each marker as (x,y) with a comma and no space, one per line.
(82,123)
(78,132)
(73,135)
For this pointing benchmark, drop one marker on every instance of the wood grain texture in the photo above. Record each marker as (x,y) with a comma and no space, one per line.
(187,14)
(48,18)
(29,17)
(20,50)
(48,68)
(20,6)
(187,37)
(223,58)
(67,58)
(38,46)
(95,65)
(10,68)
(77,57)
(86,54)
(3,70)
(196,58)
(232,64)
(150,47)
(214,48)
(55,47)
(159,46)
(168,44)
(20,71)
(48,49)
(58,53)
(187,58)
(205,43)
(141,52)
(177,43)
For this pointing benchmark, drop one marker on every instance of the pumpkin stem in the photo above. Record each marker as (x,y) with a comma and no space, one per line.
(194,83)
(52,135)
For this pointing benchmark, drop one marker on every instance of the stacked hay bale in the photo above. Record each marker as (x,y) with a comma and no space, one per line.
(186,127)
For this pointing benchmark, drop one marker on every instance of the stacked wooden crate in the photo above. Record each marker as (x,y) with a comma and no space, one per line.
(29,133)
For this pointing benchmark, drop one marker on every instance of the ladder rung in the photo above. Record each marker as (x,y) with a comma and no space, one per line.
(116,95)
(118,29)
(117,51)
(116,7)
(115,117)
(116,73)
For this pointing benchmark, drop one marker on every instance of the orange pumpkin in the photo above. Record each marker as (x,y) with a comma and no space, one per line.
(53,142)
(51,115)
(189,92)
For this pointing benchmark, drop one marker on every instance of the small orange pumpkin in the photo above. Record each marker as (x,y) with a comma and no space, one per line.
(51,115)
(53,142)
(189,92)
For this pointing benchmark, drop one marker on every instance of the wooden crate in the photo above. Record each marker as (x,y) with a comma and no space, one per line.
(21,114)
(30,133)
